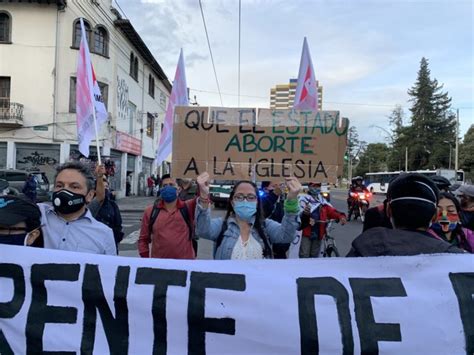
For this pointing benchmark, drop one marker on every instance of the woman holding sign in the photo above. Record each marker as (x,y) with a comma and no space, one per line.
(243,233)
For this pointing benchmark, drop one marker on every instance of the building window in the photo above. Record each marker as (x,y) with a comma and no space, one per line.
(4,92)
(132,57)
(151,86)
(134,66)
(76,40)
(5,28)
(104,90)
(101,41)
(135,69)
(162,100)
(150,125)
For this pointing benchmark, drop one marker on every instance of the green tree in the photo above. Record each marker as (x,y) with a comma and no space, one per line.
(396,119)
(466,153)
(354,149)
(373,159)
(432,123)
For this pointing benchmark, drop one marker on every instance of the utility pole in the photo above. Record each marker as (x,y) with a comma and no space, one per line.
(406,159)
(456,153)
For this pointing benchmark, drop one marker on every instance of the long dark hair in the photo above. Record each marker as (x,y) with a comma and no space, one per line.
(259,218)
(458,231)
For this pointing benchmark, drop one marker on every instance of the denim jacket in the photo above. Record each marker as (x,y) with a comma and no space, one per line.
(210,228)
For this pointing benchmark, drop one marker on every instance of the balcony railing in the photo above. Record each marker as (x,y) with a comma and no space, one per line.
(11,114)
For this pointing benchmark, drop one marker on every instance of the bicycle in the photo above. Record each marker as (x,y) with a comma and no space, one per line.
(328,244)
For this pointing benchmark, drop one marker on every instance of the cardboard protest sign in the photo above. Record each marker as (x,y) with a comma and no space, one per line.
(258,144)
(55,301)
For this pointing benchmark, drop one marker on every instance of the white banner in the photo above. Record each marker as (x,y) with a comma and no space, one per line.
(71,302)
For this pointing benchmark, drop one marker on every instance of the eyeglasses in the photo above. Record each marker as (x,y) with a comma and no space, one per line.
(249,197)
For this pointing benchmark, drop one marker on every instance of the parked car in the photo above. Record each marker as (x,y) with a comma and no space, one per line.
(16,179)
(220,192)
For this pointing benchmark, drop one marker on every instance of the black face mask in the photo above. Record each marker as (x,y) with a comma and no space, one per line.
(67,202)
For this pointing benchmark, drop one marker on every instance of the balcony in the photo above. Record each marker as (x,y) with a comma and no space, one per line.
(11,115)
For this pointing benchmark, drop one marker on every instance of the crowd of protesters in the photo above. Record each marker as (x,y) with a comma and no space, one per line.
(419,216)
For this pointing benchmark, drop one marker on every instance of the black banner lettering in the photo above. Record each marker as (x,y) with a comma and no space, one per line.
(463,285)
(116,329)
(370,332)
(197,322)
(307,288)
(40,312)
(11,308)
(160,279)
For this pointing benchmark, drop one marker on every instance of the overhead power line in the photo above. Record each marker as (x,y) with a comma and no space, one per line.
(240,27)
(210,51)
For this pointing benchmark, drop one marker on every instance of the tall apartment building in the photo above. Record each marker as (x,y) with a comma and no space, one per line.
(39,42)
(282,96)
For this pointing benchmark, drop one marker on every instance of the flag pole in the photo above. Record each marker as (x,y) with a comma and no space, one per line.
(96,135)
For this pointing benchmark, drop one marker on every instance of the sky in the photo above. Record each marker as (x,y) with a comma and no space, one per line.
(366,54)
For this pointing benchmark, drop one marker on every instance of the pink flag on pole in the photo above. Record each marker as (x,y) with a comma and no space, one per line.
(179,97)
(88,97)
(306,97)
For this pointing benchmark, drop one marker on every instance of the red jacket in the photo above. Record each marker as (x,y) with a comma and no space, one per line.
(326,212)
(170,233)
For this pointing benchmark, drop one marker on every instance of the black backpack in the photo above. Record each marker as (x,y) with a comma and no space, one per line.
(109,214)
(184,212)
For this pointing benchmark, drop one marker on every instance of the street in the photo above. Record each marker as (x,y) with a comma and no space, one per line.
(132,211)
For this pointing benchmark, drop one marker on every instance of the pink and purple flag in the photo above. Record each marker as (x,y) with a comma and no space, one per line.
(179,97)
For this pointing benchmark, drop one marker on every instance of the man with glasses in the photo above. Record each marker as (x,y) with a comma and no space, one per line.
(168,225)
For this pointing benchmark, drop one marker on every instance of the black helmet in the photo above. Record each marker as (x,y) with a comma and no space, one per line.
(441,182)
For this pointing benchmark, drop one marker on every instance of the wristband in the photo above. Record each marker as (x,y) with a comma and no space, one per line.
(291,206)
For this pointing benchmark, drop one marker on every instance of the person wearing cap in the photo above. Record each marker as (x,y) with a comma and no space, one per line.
(465,194)
(68,224)
(442,183)
(411,206)
(20,222)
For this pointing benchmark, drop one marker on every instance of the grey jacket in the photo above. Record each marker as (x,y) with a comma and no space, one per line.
(210,228)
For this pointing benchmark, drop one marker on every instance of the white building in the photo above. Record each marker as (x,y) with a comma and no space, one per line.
(39,43)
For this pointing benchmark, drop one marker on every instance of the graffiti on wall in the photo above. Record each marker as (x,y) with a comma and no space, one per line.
(122,99)
(44,160)
(35,160)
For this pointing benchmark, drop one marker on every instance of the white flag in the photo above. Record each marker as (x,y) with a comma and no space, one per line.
(306,97)
(88,97)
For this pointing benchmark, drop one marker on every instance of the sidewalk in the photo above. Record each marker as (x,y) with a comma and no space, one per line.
(134,203)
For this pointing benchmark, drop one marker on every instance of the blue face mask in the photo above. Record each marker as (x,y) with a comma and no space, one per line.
(13,239)
(169,193)
(245,210)
(314,191)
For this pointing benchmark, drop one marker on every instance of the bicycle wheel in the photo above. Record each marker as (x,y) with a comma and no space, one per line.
(331,252)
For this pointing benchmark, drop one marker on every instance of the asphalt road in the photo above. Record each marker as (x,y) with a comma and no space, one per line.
(344,235)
